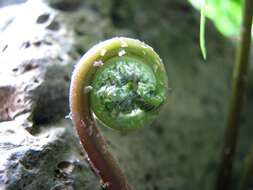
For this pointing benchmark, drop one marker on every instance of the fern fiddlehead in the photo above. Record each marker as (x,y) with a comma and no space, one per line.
(122,83)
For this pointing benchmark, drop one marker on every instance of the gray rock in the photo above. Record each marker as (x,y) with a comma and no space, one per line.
(27,50)
(51,160)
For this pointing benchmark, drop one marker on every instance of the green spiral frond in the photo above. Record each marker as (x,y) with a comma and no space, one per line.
(127,83)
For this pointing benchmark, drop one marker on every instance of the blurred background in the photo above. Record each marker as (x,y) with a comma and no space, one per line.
(41,41)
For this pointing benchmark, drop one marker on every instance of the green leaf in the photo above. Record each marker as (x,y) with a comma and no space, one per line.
(202,30)
(226,14)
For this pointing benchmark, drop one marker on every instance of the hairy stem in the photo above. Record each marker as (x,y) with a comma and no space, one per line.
(142,81)
(238,88)
(100,158)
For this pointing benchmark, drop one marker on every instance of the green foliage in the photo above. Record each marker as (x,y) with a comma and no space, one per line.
(202,30)
(226,14)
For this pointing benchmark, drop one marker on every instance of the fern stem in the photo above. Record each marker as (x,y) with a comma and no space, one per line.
(237,93)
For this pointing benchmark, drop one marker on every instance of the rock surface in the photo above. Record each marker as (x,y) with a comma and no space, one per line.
(50,160)
(40,44)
